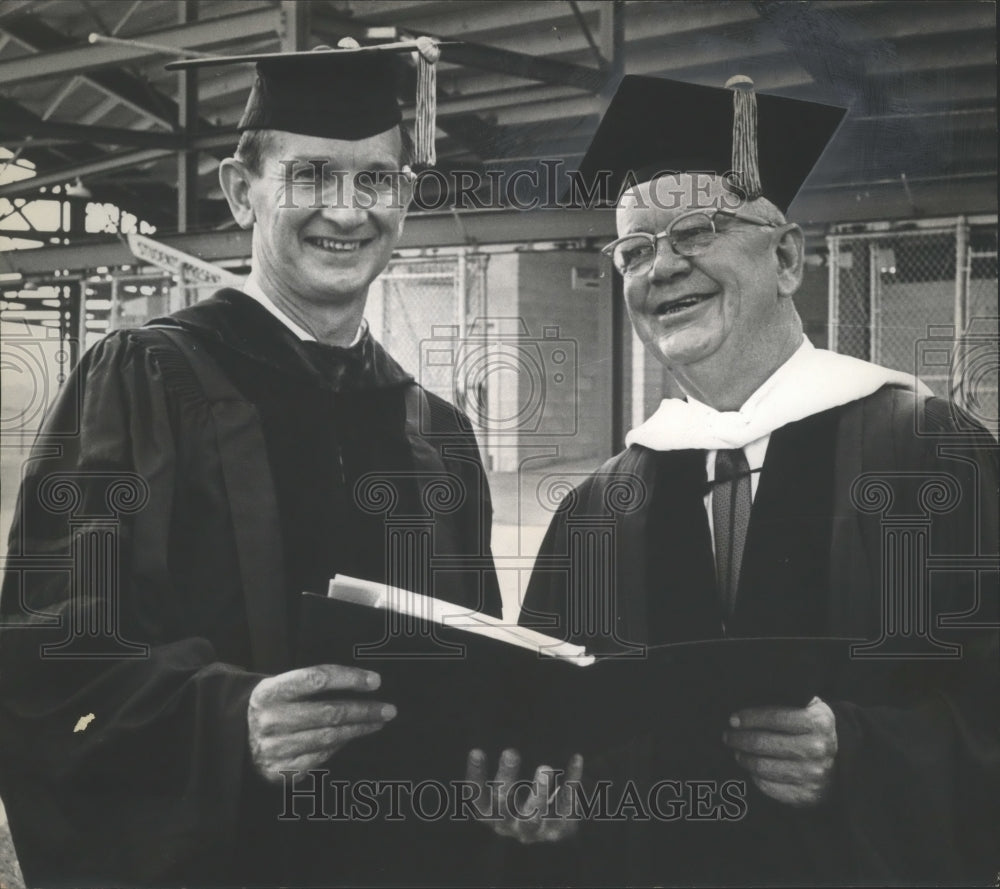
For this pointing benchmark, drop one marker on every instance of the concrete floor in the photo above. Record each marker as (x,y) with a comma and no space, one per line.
(521,514)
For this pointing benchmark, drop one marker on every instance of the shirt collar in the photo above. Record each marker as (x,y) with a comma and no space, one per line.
(811,381)
(252,288)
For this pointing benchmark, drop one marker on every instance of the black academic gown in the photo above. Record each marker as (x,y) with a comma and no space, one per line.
(918,770)
(156,787)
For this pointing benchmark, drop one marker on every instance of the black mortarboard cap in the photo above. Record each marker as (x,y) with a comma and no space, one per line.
(343,93)
(654,125)
(336,96)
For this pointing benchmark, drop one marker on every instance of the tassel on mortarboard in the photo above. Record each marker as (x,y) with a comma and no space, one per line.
(745,164)
(360,99)
(633,145)
(426,112)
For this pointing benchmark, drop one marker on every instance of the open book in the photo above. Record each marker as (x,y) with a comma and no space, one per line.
(462,679)
(446,614)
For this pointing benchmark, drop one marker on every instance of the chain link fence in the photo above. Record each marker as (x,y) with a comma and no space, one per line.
(924,301)
(418,300)
(980,353)
(413,301)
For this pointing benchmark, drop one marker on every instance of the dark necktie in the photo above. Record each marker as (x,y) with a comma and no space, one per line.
(730,517)
(339,367)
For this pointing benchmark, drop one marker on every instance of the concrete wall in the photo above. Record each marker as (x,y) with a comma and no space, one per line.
(498,435)
(545,367)
(566,307)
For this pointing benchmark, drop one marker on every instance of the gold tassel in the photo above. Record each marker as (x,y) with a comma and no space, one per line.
(426,114)
(745,164)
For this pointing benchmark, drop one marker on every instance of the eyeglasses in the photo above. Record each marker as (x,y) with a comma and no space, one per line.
(689,234)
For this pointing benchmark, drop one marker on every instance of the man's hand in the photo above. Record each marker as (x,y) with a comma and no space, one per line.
(295,725)
(789,752)
(530,812)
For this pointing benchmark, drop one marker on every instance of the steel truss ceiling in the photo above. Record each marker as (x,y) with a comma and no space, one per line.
(528,83)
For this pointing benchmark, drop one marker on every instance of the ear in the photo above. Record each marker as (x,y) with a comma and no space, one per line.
(235,180)
(790,253)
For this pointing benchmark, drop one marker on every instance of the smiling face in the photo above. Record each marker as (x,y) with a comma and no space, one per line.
(327,251)
(723,313)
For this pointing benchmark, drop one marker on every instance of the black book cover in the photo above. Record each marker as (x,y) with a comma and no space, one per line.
(455,690)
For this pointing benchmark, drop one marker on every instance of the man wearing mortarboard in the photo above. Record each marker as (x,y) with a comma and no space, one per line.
(748,521)
(242,426)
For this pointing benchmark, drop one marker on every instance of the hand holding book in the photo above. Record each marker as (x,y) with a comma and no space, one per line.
(464,681)
(298,720)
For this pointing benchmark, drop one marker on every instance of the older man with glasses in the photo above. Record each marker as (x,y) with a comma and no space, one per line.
(746,523)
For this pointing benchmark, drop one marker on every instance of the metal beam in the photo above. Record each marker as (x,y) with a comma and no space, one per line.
(67,90)
(329,26)
(119,161)
(818,208)
(95,16)
(225,29)
(517,64)
(683,37)
(150,201)
(13,8)
(223,83)
(120,86)
(865,67)
(221,137)
(71,132)
(391,12)
(612,35)
(470,130)
(945,196)
(868,23)
(494,23)
(683,23)
(187,161)
(101,109)
(76,80)
(599,60)
(32,142)
(422,230)
(125,16)
(294,26)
